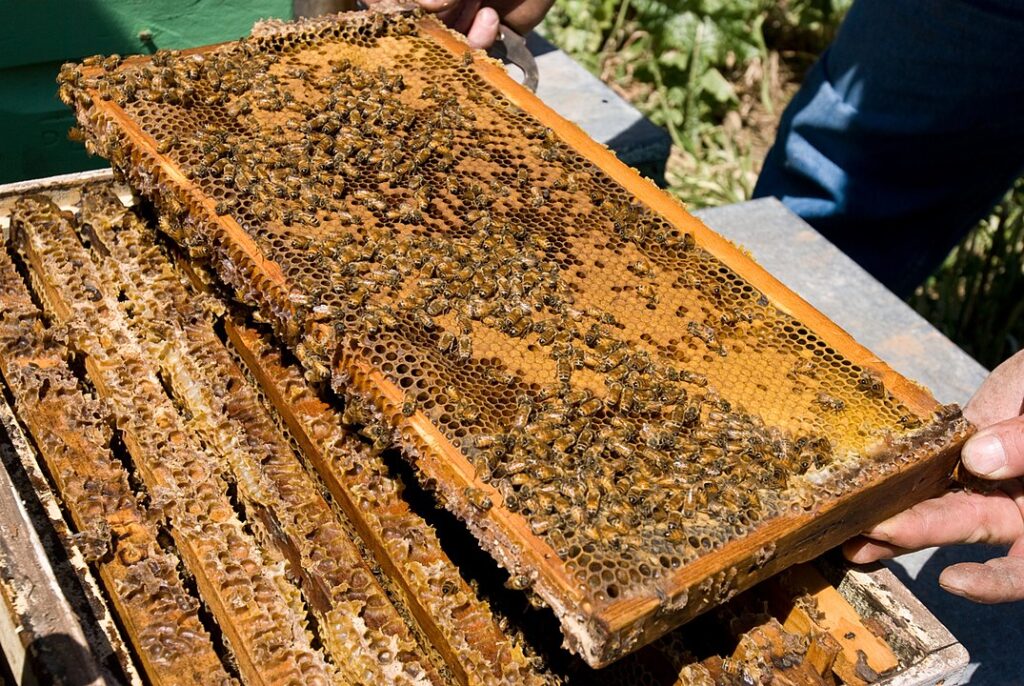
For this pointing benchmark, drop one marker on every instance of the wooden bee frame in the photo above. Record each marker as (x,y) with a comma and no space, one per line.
(876,605)
(907,453)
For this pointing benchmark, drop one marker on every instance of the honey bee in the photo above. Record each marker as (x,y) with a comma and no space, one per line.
(371,200)
(437,306)
(642,268)
(423,319)
(701,331)
(805,368)
(543,432)
(829,402)
(446,342)
(524,410)
(519,582)
(464,347)
(871,384)
(563,370)
(409,407)
(648,293)
(406,212)
(486,441)
(467,412)
(585,439)
(167,144)
(908,421)
(564,442)
(478,499)
(590,407)
(501,377)
(523,177)
(538,197)
(620,447)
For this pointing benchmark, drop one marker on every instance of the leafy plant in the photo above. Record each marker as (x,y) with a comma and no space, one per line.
(977,296)
(678,59)
(724,173)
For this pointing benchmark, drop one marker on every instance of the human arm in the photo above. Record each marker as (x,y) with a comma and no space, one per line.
(996,453)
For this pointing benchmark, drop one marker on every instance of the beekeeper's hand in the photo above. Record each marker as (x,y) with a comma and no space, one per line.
(996,452)
(479,19)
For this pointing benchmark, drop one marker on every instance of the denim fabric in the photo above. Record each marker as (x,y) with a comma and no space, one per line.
(906,131)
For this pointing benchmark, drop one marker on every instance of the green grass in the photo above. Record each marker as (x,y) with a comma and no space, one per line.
(977,296)
(717,74)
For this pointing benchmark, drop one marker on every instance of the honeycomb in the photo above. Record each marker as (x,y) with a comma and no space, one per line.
(72,430)
(632,417)
(90,298)
(184,484)
(214,386)
(361,631)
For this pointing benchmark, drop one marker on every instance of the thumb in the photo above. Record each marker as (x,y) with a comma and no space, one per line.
(484,30)
(996,581)
(997,451)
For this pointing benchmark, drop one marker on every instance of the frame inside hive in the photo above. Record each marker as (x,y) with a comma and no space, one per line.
(886,442)
(836,633)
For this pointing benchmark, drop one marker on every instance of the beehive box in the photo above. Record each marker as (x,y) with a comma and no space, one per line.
(632,417)
(799,629)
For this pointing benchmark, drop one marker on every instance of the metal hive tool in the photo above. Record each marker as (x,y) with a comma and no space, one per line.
(632,417)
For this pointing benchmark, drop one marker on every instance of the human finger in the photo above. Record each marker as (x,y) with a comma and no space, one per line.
(1000,396)
(437,6)
(997,451)
(467,12)
(959,517)
(448,12)
(997,581)
(862,550)
(484,29)
(433,6)
(521,15)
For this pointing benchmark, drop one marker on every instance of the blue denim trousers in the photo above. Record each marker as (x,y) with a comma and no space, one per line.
(906,132)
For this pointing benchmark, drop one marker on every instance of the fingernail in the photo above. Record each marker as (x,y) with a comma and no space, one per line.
(984,454)
(954,589)
(952,581)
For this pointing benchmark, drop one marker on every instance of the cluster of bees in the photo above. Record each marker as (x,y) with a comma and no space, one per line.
(567,339)
(120,516)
